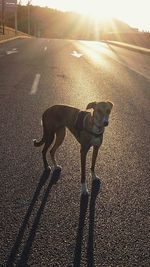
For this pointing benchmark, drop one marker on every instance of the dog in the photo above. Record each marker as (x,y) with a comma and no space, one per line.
(86,126)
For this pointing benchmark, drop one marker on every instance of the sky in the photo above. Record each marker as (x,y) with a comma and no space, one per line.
(134,12)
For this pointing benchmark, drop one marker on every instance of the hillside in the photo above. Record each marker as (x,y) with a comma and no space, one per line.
(10,33)
(46,22)
(49,23)
(115,25)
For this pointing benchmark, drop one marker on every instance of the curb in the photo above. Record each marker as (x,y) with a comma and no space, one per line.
(14,38)
(130,47)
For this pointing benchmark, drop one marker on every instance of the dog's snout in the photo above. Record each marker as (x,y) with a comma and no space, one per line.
(105,123)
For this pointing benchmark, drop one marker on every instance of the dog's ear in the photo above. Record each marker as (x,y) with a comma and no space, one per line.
(91,105)
(110,104)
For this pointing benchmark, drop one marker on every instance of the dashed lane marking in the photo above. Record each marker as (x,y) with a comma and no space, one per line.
(35,84)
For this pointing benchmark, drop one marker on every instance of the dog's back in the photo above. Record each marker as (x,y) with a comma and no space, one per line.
(59,116)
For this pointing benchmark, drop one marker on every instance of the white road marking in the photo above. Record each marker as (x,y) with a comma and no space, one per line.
(45,48)
(13,51)
(35,84)
(76,54)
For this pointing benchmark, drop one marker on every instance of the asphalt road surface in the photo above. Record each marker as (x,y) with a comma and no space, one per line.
(42,220)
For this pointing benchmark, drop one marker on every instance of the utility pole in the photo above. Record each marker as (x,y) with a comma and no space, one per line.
(16,19)
(3,17)
(29,18)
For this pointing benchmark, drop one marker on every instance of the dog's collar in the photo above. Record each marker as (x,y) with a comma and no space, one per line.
(80,120)
(94,122)
(89,131)
(94,134)
(80,124)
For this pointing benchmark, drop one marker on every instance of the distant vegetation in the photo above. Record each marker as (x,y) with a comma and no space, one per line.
(50,23)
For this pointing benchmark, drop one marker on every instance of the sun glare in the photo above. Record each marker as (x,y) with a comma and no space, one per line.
(97,11)
(135,13)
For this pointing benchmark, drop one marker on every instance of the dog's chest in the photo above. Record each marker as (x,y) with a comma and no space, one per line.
(96,141)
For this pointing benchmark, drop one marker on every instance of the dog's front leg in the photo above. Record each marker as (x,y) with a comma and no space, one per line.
(83,151)
(94,157)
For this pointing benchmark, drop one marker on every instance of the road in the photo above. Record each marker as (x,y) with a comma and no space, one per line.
(44,223)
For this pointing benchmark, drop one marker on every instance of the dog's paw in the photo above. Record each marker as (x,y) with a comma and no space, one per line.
(96,182)
(84,190)
(84,194)
(47,168)
(57,170)
(94,176)
(95,187)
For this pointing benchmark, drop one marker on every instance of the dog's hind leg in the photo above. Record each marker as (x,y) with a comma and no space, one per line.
(48,141)
(60,135)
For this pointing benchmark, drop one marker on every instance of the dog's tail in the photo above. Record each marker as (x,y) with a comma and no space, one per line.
(38,143)
(42,141)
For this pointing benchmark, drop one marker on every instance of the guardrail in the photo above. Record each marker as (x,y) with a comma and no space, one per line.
(133,38)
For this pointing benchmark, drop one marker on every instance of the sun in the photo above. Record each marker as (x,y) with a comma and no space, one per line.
(97,10)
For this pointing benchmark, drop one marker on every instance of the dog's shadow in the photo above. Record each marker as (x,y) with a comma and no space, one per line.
(90,248)
(79,238)
(28,245)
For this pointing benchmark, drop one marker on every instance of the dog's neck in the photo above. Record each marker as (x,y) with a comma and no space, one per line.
(91,125)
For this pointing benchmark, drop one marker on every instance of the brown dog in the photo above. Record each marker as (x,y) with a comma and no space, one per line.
(87,127)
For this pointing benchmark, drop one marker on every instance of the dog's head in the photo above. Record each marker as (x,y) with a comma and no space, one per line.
(101,112)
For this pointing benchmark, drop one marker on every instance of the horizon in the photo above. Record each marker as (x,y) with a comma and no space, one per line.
(122,10)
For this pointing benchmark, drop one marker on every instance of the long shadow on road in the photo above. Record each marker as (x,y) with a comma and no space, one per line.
(79,239)
(26,250)
(90,248)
